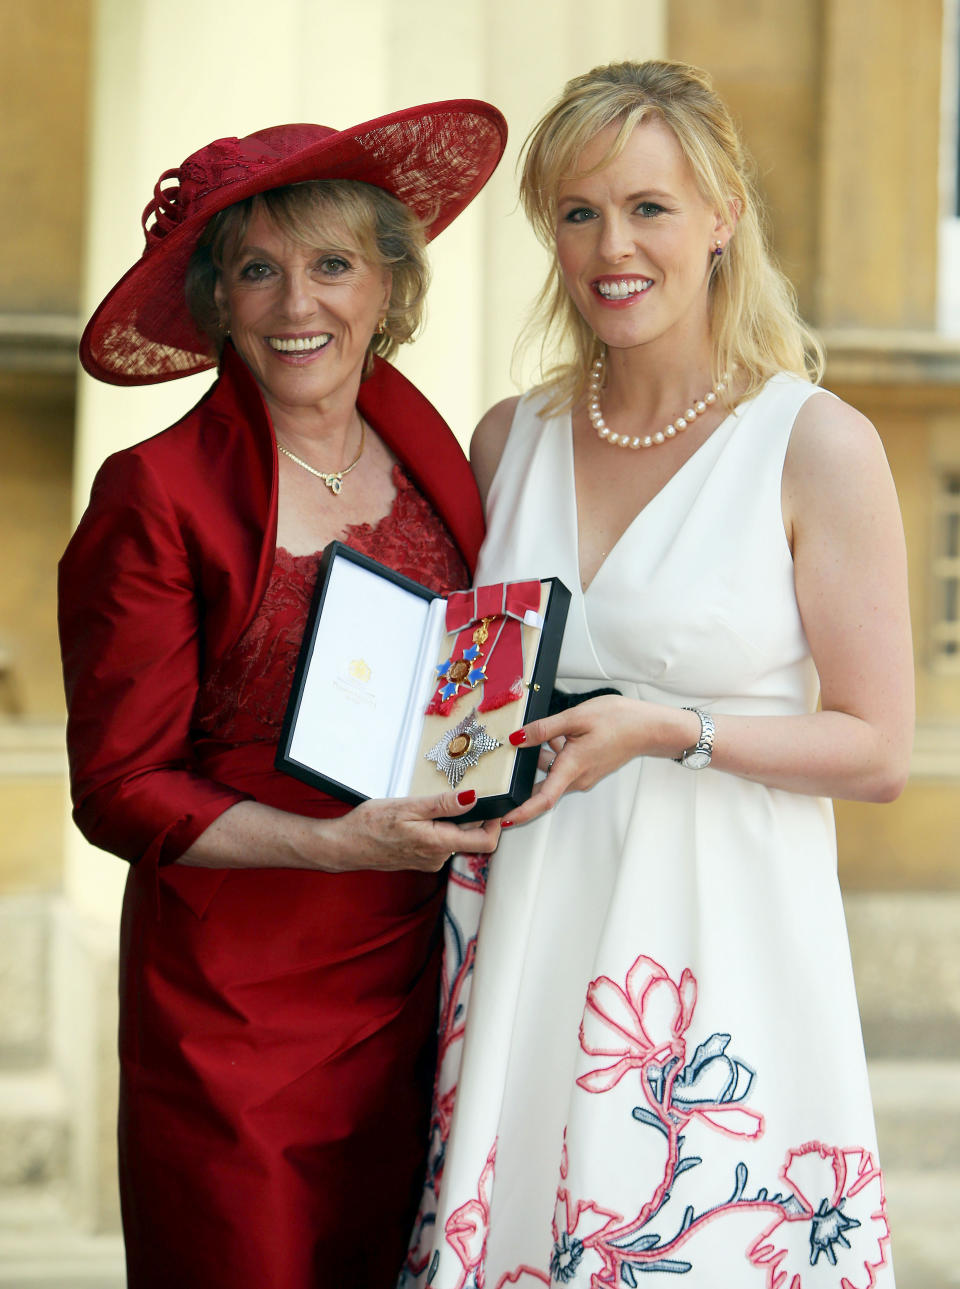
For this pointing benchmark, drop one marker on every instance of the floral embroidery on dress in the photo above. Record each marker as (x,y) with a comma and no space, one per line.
(466,886)
(644,1026)
(578,1227)
(842,1219)
(652,1017)
(828,1216)
(466,1228)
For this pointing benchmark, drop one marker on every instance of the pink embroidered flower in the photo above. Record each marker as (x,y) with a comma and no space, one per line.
(644,1023)
(839,1219)
(466,1227)
(578,1229)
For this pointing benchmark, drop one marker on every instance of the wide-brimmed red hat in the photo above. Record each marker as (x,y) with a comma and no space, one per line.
(435,159)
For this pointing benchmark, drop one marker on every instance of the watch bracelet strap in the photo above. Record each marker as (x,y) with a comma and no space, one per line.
(703,744)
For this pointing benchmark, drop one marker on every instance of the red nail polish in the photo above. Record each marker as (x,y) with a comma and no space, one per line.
(467,797)
(506,823)
(518,737)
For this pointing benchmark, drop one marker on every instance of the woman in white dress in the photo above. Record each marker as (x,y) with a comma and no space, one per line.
(661,1077)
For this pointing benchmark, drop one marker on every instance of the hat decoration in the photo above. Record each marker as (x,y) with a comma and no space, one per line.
(434,158)
(223,162)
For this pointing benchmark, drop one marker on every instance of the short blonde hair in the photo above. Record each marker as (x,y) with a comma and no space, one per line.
(754,321)
(383,230)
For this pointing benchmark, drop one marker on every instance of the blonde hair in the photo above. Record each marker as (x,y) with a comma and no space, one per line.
(754,323)
(384,231)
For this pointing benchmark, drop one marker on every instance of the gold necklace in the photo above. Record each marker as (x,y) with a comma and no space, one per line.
(332,478)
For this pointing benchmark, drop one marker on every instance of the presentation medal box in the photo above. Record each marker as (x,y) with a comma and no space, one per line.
(402,692)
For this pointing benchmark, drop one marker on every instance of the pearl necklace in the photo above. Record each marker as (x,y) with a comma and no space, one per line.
(332,478)
(650,440)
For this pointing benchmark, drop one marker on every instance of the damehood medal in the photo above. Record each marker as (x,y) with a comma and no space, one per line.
(460,748)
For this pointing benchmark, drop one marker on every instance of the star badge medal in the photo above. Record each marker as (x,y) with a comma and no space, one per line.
(467,671)
(461,748)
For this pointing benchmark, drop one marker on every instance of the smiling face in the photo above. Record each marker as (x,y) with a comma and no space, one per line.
(635,241)
(301,316)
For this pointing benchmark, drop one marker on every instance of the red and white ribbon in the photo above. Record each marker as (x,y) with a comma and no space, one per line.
(507,607)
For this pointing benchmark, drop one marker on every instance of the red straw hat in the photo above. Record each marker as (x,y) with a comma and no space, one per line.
(435,159)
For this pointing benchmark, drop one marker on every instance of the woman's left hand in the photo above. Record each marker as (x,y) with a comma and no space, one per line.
(594,739)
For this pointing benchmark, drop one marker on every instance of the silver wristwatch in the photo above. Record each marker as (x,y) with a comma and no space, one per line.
(698,756)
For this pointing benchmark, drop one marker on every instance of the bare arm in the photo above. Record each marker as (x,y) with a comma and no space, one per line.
(384,835)
(487,444)
(843,523)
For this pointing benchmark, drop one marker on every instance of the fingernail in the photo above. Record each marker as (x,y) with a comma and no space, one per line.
(518,737)
(506,823)
(467,797)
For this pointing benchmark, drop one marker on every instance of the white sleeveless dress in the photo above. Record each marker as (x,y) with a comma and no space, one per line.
(661,1079)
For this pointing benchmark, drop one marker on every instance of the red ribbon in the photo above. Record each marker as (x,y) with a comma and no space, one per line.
(506,605)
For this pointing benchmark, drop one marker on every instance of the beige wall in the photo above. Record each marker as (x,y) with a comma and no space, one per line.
(36,449)
(879,190)
(42,162)
(44,74)
(840,106)
(766,60)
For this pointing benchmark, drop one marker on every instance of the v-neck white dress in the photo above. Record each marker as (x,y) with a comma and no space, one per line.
(661,1079)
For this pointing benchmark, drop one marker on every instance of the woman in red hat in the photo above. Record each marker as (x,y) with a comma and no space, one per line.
(279,951)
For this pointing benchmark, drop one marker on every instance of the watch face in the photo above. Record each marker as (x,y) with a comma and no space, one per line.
(696,760)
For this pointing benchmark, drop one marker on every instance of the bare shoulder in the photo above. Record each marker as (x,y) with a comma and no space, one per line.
(489,438)
(829,432)
(835,459)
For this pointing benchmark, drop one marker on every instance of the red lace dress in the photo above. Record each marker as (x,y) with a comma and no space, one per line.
(283,1116)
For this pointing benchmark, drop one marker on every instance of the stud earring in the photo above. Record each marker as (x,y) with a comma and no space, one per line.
(381,325)
(717,249)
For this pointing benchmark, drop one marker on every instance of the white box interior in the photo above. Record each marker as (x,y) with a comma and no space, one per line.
(368,682)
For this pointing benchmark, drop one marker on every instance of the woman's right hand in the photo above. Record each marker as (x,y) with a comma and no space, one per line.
(406,832)
(383,835)
(595,738)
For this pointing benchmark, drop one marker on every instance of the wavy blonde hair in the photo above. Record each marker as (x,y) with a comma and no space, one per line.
(754,323)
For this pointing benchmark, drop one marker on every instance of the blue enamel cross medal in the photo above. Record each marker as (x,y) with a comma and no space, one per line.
(468,670)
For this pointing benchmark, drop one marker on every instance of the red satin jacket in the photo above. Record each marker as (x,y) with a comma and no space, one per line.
(167,569)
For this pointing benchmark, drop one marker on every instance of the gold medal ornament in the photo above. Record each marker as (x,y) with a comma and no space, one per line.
(467,671)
